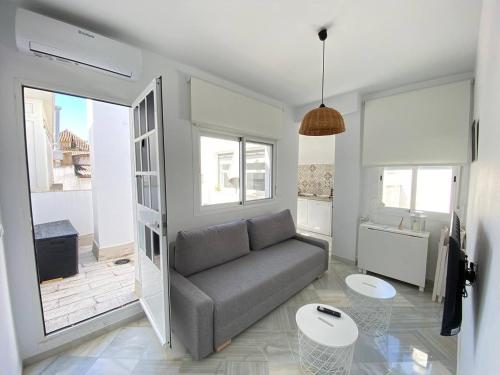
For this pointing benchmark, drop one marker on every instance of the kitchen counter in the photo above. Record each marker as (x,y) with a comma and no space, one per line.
(316,198)
(392,229)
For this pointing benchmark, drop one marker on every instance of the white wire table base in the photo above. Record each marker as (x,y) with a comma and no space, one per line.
(372,315)
(321,360)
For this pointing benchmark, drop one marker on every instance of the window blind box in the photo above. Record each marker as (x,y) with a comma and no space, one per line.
(216,106)
(422,127)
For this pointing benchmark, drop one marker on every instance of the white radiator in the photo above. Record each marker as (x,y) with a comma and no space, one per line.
(389,251)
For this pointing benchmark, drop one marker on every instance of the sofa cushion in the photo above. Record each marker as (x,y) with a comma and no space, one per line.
(249,287)
(267,230)
(200,249)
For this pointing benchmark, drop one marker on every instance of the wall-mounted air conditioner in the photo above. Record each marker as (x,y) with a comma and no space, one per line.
(58,41)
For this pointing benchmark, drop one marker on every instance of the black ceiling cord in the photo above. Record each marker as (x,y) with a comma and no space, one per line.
(322,36)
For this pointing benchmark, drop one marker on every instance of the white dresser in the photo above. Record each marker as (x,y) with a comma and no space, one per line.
(392,252)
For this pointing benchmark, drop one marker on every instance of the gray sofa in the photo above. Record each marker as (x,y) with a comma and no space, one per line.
(226,277)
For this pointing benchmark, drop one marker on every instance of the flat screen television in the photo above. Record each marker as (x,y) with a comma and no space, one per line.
(457,276)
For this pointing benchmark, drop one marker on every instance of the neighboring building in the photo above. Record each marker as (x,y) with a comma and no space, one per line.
(39,116)
(75,152)
(58,160)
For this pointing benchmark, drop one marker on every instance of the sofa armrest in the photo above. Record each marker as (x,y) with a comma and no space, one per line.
(192,316)
(316,242)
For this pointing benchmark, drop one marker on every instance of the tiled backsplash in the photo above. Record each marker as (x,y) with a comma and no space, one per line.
(316,179)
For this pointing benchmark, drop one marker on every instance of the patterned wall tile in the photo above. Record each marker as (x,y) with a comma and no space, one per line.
(316,179)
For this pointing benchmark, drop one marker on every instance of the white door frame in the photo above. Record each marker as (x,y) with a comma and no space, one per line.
(93,325)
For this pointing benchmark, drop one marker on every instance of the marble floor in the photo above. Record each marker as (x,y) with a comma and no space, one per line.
(412,346)
(99,286)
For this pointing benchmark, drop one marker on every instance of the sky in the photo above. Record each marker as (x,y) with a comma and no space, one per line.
(73,115)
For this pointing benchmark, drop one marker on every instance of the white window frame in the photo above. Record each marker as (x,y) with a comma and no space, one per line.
(198,132)
(431,214)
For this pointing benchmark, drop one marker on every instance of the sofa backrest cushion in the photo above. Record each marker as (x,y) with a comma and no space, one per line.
(267,230)
(200,249)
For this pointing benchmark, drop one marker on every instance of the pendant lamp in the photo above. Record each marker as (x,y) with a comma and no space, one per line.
(322,120)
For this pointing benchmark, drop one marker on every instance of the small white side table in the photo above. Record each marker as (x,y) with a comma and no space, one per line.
(371,300)
(326,343)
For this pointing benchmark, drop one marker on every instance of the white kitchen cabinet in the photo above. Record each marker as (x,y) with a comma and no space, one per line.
(314,215)
(302,213)
(389,251)
(319,216)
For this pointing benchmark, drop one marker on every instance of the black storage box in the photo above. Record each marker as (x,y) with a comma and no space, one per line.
(56,246)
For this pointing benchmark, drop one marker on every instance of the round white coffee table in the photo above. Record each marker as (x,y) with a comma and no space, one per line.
(371,300)
(326,343)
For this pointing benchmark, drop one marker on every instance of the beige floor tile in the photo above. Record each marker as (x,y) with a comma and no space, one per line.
(65,293)
(57,323)
(99,287)
(68,309)
(81,315)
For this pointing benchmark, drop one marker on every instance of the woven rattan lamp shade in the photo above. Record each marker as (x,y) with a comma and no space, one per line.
(322,121)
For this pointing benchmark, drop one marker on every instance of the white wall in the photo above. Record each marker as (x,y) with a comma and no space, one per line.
(179,163)
(370,199)
(478,341)
(317,150)
(371,209)
(344,103)
(347,158)
(9,353)
(347,184)
(75,206)
(111,174)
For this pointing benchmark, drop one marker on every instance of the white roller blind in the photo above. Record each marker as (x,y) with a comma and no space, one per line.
(427,126)
(216,106)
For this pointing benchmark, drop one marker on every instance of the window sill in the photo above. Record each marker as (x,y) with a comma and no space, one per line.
(221,208)
(58,191)
(393,211)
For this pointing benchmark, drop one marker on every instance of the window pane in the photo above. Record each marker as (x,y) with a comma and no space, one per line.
(142,237)
(154,193)
(156,250)
(150,109)
(152,152)
(220,170)
(148,242)
(397,187)
(142,116)
(138,156)
(139,189)
(145,154)
(145,191)
(137,132)
(434,189)
(259,158)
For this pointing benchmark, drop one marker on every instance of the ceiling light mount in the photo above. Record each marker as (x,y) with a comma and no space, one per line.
(322,35)
(322,120)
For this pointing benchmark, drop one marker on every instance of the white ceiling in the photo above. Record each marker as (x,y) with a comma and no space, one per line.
(271,46)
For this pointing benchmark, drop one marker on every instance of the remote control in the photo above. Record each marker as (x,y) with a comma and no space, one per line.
(325,310)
